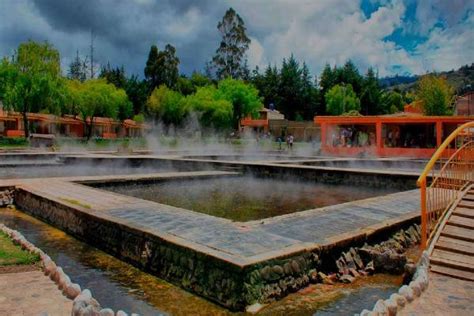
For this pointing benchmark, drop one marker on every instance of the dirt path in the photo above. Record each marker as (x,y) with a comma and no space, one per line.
(31,293)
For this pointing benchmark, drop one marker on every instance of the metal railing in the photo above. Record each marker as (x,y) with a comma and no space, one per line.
(445,176)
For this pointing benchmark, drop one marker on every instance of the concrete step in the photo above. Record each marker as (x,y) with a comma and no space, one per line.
(464,212)
(458,233)
(466,204)
(469,197)
(460,221)
(455,273)
(452,260)
(455,245)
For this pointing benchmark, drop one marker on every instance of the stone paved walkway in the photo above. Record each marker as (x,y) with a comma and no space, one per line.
(31,293)
(240,243)
(445,296)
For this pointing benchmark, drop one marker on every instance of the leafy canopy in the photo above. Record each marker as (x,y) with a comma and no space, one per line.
(436,95)
(341,99)
(229,60)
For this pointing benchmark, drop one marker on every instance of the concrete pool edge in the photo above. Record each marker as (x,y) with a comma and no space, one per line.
(244,282)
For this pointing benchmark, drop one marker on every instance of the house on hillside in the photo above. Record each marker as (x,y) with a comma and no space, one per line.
(464,104)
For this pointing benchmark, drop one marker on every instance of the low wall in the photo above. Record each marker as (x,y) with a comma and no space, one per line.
(394,180)
(217,279)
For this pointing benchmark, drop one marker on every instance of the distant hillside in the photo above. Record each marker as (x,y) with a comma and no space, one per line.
(461,79)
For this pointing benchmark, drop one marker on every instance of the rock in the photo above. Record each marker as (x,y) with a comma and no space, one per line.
(56,275)
(354,272)
(358,261)
(64,282)
(407,293)
(121,313)
(380,308)
(49,267)
(295,267)
(313,276)
(346,279)
(254,308)
(369,268)
(392,307)
(397,298)
(278,270)
(365,312)
(287,268)
(415,286)
(72,291)
(265,273)
(341,266)
(11,206)
(106,312)
(349,260)
(324,279)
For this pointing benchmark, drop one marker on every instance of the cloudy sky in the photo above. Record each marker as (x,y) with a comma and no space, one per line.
(396,37)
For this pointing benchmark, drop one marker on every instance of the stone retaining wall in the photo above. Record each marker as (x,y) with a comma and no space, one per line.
(406,294)
(230,285)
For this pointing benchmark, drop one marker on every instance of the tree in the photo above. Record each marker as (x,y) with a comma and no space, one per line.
(185,86)
(290,88)
(327,81)
(436,95)
(95,98)
(137,91)
(200,80)
(229,60)
(162,67)
(391,102)
(341,99)
(167,105)
(35,82)
(151,71)
(243,97)
(370,95)
(349,74)
(212,111)
(309,95)
(115,76)
(78,69)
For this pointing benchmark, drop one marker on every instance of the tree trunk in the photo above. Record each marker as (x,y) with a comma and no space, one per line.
(89,131)
(26,125)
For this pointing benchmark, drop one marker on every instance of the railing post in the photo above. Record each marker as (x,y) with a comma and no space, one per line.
(424,215)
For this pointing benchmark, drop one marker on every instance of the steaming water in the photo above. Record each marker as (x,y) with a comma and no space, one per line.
(400,165)
(120,286)
(247,198)
(63,170)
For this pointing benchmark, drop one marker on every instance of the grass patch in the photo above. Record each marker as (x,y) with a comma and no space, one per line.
(12,142)
(76,202)
(11,254)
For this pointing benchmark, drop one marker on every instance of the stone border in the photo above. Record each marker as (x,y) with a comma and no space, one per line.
(406,294)
(83,302)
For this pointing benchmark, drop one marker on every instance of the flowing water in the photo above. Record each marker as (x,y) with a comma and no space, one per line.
(118,285)
(247,198)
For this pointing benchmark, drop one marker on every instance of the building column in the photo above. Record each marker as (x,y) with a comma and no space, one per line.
(323,134)
(439,133)
(378,135)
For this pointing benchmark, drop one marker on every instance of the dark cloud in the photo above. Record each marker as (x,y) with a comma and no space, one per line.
(316,31)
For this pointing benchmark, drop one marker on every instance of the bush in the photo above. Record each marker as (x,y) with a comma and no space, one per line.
(13,141)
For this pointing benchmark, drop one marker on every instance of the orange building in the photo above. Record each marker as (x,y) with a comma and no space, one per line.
(261,123)
(402,134)
(11,125)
